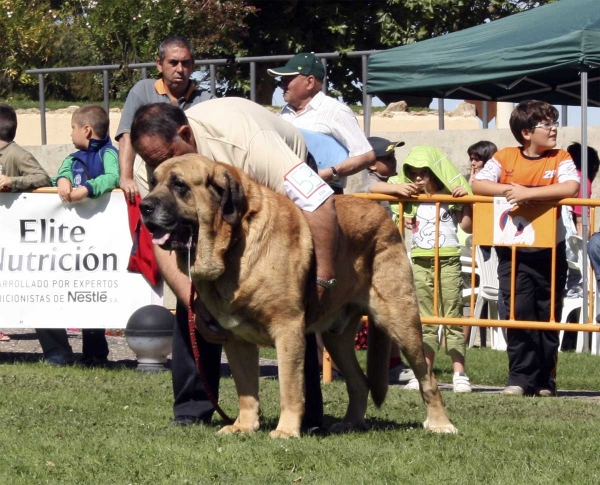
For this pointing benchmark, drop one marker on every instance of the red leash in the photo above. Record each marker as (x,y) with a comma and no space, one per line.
(192,328)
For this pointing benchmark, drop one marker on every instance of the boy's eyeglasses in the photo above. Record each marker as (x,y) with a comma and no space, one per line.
(548,125)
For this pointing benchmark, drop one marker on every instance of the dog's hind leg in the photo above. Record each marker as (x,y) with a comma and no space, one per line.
(290,344)
(437,419)
(243,361)
(341,348)
(395,310)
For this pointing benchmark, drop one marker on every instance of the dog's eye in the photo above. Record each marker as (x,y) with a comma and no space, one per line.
(152,183)
(180,186)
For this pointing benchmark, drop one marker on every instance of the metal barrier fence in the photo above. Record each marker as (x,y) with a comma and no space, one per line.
(589,297)
(588,304)
(212,66)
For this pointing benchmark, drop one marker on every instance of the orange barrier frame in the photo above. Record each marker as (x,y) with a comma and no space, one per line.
(546,212)
(483,219)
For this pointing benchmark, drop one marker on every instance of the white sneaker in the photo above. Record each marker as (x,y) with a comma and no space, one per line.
(461,383)
(413,385)
(513,391)
(400,374)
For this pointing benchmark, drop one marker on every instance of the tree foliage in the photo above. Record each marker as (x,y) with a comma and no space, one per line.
(290,26)
(57,33)
(28,29)
(83,33)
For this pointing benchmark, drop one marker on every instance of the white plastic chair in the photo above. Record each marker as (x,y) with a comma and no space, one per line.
(488,293)
(573,304)
(465,267)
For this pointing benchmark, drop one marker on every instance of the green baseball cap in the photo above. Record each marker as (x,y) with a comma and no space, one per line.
(304,63)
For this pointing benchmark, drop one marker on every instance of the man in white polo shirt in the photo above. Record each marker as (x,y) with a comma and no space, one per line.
(309,109)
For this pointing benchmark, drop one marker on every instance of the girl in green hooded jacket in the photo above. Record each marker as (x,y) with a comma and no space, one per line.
(427,170)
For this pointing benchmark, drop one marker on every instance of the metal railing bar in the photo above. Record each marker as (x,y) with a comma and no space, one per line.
(524,324)
(57,70)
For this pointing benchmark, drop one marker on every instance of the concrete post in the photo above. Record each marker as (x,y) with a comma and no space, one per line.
(503,111)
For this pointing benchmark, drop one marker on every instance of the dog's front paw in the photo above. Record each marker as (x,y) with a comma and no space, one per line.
(234,429)
(448,428)
(281,434)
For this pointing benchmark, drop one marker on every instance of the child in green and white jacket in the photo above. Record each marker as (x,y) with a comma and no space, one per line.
(427,170)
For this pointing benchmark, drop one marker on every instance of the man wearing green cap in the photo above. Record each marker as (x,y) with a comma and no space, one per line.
(309,109)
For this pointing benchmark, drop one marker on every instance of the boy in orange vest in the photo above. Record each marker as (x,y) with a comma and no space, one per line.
(535,171)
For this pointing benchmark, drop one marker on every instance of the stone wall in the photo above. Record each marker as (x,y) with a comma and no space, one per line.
(456,142)
(453,142)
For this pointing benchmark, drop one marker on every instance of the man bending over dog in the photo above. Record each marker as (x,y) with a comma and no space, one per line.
(272,151)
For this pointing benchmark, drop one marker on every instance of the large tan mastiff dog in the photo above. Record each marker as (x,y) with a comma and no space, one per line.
(252,265)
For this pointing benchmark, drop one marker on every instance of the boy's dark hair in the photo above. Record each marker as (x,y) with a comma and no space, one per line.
(157,119)
(177,41)
(483,150)
(95,116)
(8,123)
(574,150)
(527,114)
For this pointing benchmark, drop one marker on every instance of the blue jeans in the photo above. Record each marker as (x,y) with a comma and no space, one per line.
(593,248)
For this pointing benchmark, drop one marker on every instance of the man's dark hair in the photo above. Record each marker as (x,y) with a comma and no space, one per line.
(8,123)
(527,114)
(95,116)
(157,119)
(574,150)
(176,41)
(483,150)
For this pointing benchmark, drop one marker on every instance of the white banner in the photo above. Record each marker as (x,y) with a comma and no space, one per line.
(65,265)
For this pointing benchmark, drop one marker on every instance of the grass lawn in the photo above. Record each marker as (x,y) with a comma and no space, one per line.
(68,425)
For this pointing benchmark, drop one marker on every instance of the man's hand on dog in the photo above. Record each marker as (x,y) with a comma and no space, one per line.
(207,326)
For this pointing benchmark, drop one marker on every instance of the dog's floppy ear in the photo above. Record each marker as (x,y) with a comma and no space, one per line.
(231,192)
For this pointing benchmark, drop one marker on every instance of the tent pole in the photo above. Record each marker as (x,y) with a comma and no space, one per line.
(584,193)
(564,115)
(441,113)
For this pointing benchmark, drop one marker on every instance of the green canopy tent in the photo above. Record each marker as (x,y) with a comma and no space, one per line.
(537,54)
(550,53)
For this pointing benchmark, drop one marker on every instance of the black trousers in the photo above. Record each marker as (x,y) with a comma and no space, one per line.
(94,343)
(188,389)
(54,341)
(532,354)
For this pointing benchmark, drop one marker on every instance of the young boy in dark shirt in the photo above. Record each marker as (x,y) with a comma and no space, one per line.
(19,170)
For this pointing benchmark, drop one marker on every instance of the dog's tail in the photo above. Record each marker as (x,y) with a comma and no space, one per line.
(378,363)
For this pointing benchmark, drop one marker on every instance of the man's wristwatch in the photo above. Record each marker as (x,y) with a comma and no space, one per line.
(335,175)
(327,284)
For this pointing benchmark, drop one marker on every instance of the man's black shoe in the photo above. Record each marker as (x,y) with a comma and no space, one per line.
(58,360)
(314,431)
(94,362)
(185,421)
